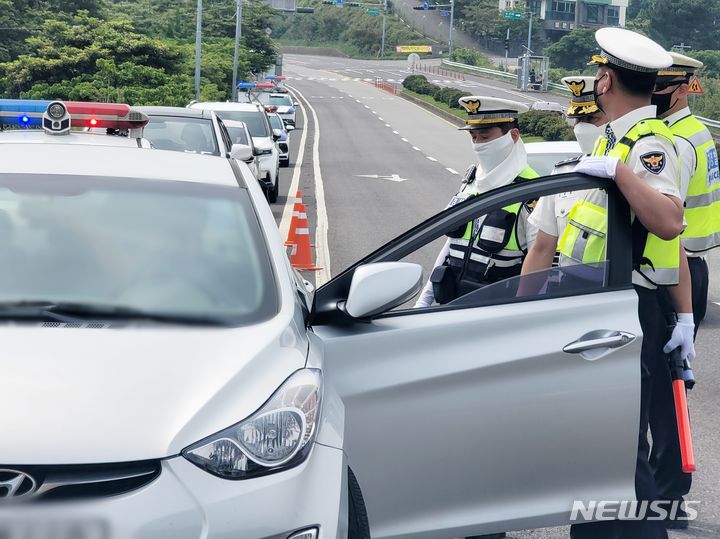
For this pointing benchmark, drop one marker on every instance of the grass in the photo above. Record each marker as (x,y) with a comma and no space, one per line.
(533,138)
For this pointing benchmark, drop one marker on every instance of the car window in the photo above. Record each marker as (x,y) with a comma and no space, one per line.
(275,121)
(543,163)
(238,135)
(458,277)
(279,100)
(255,120)
(192,135)
(165,247)
(225,135)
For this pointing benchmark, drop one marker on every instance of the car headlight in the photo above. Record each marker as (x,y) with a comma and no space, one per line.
(276,437)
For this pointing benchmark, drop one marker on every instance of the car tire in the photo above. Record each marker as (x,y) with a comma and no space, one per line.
(285,163)
(274,191)
(358,524)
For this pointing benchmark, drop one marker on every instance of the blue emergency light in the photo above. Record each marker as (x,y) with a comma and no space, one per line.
(246,84)
(22,112)
(270,77)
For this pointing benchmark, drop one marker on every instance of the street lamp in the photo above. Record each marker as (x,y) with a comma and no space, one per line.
(198,41)
(238,32)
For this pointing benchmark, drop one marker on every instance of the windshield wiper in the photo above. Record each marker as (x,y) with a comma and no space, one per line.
(76,312)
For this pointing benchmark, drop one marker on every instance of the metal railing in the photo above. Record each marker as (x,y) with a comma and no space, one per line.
(708,122)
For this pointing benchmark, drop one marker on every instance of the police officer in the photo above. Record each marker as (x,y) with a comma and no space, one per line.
(699,178)
(492,247)
(637,151)
(550,214)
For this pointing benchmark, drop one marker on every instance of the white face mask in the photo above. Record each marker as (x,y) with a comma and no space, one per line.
(491,154)
(586,135)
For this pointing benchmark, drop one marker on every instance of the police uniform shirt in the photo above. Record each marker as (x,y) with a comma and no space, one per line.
(686,152)
(654,159)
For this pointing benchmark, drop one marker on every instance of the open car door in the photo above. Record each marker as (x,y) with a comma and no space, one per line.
(496,411)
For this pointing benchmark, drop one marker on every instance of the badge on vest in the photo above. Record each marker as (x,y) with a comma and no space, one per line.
(653,161)
(713,173)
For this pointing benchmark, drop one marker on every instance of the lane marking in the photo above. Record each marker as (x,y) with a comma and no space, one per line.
(295,181)
(367,107)
(395,133)
(387,125)
(416,149)
(451,171)
(431,158)
(404,139)
(322,252)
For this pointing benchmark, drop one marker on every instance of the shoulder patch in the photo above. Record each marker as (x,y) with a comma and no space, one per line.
(653,161)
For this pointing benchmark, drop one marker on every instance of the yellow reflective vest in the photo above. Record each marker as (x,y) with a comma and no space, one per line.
(583,240)
(702,204)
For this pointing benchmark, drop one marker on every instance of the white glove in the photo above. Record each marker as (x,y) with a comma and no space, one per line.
(600,167)
(682,336)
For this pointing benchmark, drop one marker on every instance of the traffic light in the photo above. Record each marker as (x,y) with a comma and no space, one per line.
(354,4)
(507,44)
(425,7)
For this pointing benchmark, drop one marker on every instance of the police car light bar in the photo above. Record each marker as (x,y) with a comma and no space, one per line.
(264,85)
(246,85)
(22,112)
(270,77)
(280,77)
(105,115)
(270,108)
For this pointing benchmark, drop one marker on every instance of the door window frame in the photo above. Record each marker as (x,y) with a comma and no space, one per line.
(326,309)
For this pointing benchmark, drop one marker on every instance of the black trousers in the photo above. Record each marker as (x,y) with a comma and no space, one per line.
(653,326)
(699,277)
(665,459)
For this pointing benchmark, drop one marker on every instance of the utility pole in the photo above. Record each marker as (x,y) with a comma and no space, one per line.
(507,49)
(452,19)
(238,33)
(198,42)
(382,42)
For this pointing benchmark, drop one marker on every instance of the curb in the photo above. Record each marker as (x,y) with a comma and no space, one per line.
(451,118)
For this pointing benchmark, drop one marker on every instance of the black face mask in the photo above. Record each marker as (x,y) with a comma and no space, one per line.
(596,94)
(663,102)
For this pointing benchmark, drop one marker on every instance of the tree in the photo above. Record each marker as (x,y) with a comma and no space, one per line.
(573,50)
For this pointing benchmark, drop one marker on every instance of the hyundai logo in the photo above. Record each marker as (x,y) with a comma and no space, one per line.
(15,484)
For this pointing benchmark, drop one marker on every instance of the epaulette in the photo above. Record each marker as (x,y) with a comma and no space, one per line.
(571,161)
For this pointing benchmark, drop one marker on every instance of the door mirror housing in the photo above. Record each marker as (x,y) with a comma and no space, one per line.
(241,152)
(289,128)
(277,133)
(375,288)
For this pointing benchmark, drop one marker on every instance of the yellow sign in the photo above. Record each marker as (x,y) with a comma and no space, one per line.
(695,87)
(413,48)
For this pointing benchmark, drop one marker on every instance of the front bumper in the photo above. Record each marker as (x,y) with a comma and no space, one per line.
(184,502)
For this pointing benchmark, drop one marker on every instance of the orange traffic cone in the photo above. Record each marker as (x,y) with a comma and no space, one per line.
(301,254)
(298,211)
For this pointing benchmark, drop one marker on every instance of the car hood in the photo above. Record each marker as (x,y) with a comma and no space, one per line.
(263,142)
(81,396)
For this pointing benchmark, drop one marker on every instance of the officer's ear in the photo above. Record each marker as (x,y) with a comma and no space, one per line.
(515,134)
(683,90)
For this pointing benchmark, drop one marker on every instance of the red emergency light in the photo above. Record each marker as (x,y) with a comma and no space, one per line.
(270,108)
(280,77)
(105,115)
(264,85)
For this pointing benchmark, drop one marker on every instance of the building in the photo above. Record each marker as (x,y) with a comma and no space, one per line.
(559,15)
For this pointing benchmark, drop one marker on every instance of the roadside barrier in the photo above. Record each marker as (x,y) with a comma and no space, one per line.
(439,71)
(386,86)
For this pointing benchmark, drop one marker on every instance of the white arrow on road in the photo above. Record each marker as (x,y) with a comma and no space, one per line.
(391,177)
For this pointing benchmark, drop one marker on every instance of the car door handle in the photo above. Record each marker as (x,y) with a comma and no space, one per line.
(593,341)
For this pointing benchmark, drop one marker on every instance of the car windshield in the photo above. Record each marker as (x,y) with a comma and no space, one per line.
(166,248)
(543,163)
(192,135)
(276,122)
(238,135)
(254,120)
(279,100)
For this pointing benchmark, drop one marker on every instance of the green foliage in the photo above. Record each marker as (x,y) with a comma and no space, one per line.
(483,21)
(573,50)
(548,125)
(471,57)
(441,94)
(353,29)
(711,59)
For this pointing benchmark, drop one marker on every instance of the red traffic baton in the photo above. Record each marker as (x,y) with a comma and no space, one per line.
(682,416)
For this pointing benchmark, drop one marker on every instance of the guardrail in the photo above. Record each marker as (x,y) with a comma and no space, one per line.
(708,122)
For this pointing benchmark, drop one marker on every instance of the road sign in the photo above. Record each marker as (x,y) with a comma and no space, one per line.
(444,13)
(339,3)
(514,15)
(413,48)
(695,87)
(373,11)
(425,5)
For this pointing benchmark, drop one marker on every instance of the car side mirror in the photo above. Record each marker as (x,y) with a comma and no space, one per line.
(296,104)
(241,152)
(277,133)
(289,128)
(377,287)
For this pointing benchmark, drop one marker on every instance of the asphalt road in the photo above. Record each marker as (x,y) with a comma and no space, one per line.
(351,131)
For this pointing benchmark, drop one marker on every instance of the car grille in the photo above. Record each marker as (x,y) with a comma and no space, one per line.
(82,481)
